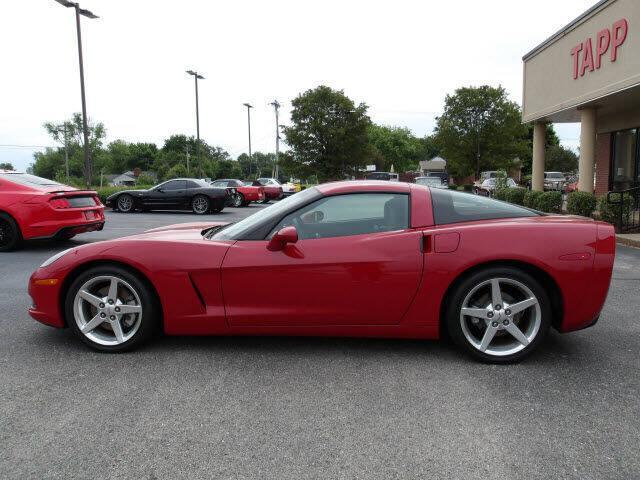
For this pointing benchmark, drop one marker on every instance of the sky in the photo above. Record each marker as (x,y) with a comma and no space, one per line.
(399,57)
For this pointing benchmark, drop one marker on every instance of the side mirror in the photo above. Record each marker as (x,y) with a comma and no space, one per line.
(282,237)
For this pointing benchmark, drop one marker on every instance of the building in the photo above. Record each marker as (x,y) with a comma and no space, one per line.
(436,164)
(589,72)
(129,178)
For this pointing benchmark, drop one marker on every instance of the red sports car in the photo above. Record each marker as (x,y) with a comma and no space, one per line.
(33,208)
(245,191)
(367,258)
(272,189)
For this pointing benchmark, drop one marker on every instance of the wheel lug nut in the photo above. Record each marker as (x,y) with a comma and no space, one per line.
(505,323)
(112,317)
(117,309)
(507,311)
(490,315)
(110,302)
(498,307)
(102,315)
(494,324)
(102,305)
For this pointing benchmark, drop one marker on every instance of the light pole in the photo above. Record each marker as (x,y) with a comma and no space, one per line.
(249,107)
(274,173)
(196,77)
(85,126)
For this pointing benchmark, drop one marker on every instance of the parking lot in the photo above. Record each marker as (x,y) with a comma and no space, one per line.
(313,407)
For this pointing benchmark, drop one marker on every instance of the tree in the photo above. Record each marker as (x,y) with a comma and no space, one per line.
(395,146)
(480,129)
(329,135)
(6,166)
(560,159)
(261,164)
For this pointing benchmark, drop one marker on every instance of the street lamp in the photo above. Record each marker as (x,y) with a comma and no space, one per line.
(196,77)
(249,107)
(85,127)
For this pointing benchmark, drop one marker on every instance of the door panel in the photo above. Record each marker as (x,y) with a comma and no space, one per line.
(356,280)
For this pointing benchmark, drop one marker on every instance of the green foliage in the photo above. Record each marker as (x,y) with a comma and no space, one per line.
(453,187)
(610,212)
(480,129)
(177,171)
(550,202)
(531,199)
(515,195)
(500,194)
(560,159)
(397,147)
(467,187)
(145,179)
(581,203)
(6,166)
(328,136)
(551,139)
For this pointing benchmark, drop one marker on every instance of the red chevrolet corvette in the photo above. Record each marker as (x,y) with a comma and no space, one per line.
(368,258)
(35,208)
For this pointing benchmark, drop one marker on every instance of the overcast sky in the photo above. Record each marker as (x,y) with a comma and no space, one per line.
(399,57)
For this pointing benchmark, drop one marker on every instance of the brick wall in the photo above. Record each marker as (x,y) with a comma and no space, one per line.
(603,162)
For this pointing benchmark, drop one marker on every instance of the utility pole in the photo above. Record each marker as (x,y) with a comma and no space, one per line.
(249,107)
(186,147)
(85,125)
(274,172)
(196,77)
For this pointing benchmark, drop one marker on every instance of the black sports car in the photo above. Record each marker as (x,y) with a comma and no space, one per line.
(176,194)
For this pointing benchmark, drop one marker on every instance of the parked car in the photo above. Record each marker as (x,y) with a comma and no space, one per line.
(554,181)
(343,259)
(290,188)
(430,182)
(177,194)
(488,187)
(37,208)
(245,192)
(443,176)
(272,189)
(389,177)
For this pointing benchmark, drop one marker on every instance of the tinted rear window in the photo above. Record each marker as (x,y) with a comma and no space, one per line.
(28,180)
(81,201)
(454,207)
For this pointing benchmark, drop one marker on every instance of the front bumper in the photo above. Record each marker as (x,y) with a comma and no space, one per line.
(45,300)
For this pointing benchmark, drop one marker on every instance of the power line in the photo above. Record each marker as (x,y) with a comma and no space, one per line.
(27,146)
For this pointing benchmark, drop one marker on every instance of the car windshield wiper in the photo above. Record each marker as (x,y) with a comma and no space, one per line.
(211,231)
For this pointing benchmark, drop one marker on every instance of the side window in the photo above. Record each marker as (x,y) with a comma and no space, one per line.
(352,214)
(191,184)
(174,185)
(219,184)
(455,207)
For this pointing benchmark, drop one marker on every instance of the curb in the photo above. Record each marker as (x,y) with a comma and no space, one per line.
(628,242)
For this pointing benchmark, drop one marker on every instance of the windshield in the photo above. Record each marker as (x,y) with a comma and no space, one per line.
(29,180)
(429,181)
(273,212)
(555,175)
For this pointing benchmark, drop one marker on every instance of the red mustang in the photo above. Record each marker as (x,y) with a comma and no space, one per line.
(366,258)
(32,208)
(245,192)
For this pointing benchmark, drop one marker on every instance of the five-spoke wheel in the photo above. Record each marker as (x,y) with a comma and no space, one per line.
(110,308)
(499,314)
(200,205)
(125,203)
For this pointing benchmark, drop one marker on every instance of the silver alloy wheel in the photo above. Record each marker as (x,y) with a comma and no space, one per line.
(237,200)
(500,316)
(200,204)
(107,310)
(125,203)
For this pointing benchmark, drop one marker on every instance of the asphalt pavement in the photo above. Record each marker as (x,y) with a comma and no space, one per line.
(293,408)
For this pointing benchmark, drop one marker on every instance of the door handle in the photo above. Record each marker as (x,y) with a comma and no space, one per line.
(425,244)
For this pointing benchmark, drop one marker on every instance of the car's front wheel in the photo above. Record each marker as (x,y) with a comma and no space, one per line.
(499,315)
(111,309)
(125,203)
(10,236)
(237,200)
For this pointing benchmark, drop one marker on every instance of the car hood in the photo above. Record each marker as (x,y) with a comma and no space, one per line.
(181,227)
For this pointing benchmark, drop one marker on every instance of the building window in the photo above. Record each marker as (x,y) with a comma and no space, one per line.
(626,160)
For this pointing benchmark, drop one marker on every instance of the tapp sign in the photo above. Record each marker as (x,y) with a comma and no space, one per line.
(606,44)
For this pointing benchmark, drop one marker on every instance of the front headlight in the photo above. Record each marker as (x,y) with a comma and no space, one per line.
(56,257)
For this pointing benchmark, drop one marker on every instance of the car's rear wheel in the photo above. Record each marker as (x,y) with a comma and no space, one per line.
(266,200)
(499,315)
(200,204)
(10,235)
(111,309)
(237,200)
(125,203)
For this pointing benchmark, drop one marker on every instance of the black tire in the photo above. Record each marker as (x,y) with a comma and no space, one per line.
(125,203)
(265,201)
(238,200)
(510,278)
(10,234)
(200,204)
(149,318)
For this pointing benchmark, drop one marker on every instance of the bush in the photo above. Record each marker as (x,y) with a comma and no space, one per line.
(500,193)
(467,187)
(609,213)
(453,187)
(550,202)
(531,199)
(515,195)
(581,203)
